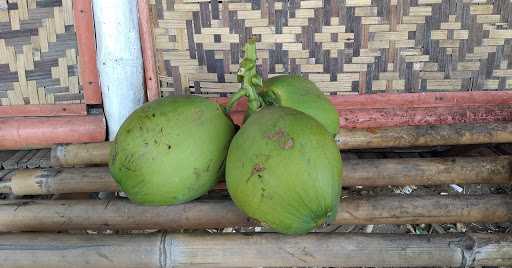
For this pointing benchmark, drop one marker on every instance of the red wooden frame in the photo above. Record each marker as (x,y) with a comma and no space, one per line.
(17,133)
(41,126)
(43,110)
(84,26)
(356,111)
(148,52)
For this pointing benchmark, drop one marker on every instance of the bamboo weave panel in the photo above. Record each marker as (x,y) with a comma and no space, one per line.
(345,46)
(38,53)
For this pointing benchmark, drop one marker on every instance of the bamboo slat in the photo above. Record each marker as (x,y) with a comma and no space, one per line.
(163,250)
(41,215)
(367,172)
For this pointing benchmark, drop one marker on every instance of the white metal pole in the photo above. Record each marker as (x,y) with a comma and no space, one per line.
(119,59)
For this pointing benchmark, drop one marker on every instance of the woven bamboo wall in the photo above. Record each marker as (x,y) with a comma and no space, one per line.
(346,46)
(38,53)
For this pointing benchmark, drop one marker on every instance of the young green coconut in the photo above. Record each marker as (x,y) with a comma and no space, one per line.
(283,167)
(171,150)
(292,91)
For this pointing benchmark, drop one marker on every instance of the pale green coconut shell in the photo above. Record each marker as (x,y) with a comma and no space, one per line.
(284,170)
(171,150)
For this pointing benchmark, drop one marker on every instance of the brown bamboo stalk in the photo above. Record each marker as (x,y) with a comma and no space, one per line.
(86,154)
(52,215)
(430,135)
(368,172)
(410,136)
(162,250)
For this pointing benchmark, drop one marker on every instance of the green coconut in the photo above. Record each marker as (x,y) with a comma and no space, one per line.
(171,150)
(297,92)
(292,91)
(284,169)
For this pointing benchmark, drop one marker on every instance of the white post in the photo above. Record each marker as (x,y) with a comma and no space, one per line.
(119,59)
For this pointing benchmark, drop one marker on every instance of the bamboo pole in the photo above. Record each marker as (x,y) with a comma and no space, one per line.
(412,136)
(54,215)
(432,135)
(368,172)
(85,154)
(162,250)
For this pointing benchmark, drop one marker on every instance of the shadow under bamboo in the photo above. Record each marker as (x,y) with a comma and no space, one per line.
(396,137)
(162,250)
(367,172)
(55,215)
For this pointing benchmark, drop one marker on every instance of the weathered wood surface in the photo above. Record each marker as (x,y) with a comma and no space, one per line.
(41,215)
(162,250)
(356,172)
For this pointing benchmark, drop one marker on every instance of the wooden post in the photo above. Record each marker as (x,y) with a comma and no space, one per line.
(44,215)
(368,172)
(163,250)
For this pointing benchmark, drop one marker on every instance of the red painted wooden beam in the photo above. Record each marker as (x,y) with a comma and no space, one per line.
(427,99)
(43,110)
(148,53)
(17,133)
(413,109)
(408,100)
(417,116)
(86,43)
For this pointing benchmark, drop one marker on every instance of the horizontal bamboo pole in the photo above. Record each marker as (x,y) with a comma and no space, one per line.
(367,172)
(412,136)
(53,215)
(432,135)
(163,250)
(85,154)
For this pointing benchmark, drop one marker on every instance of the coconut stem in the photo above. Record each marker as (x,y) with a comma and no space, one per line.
(250,80)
